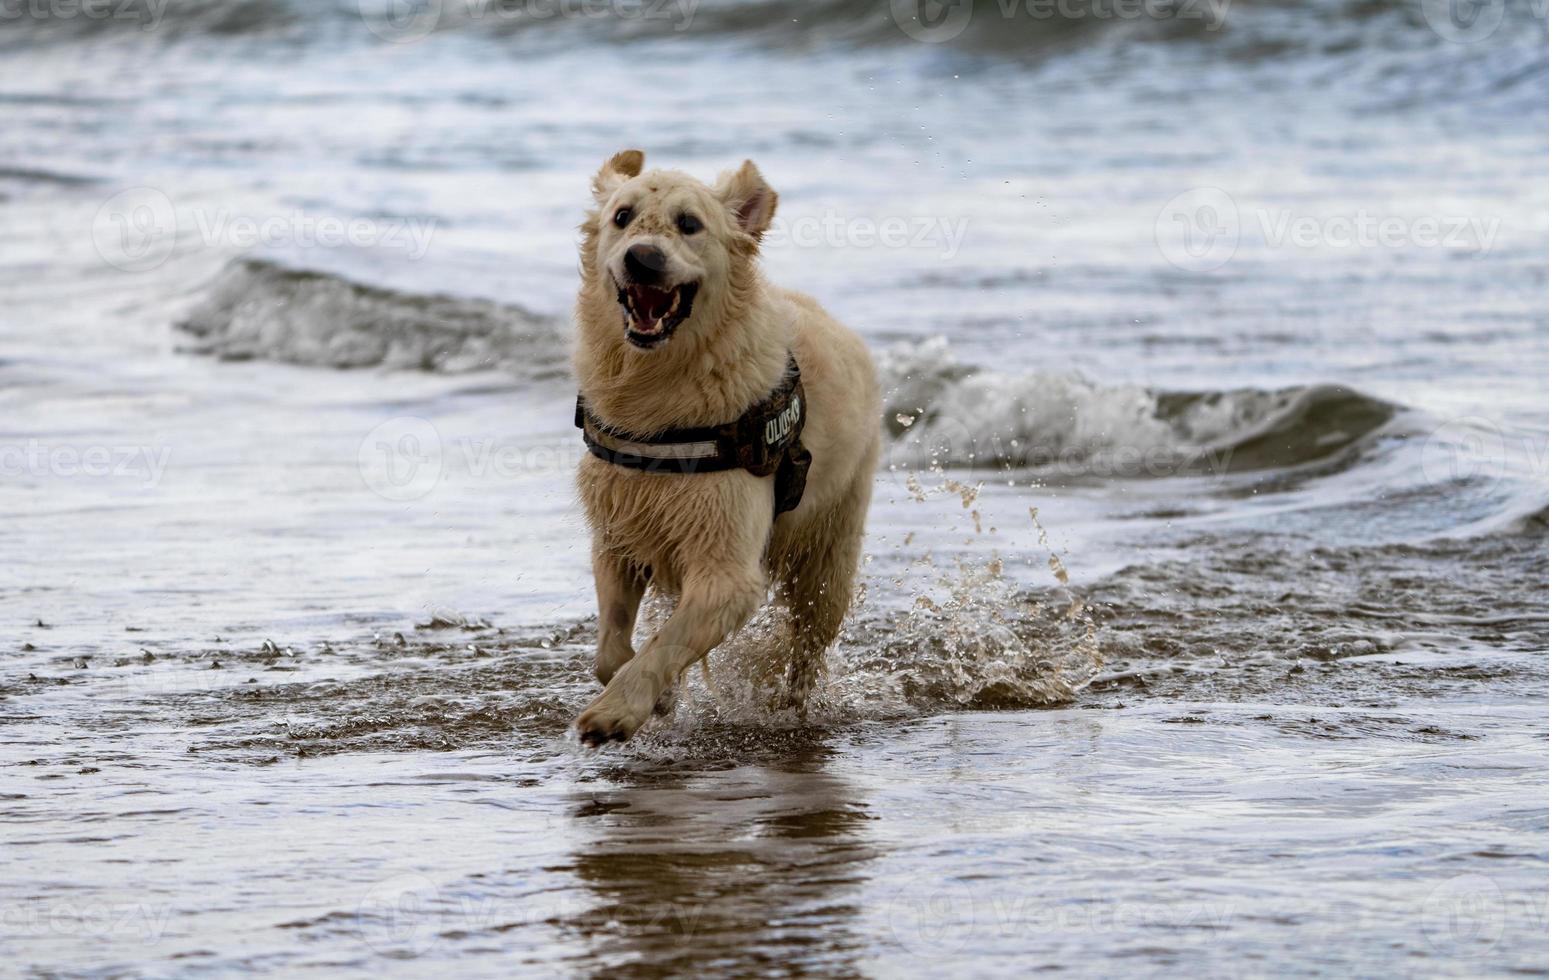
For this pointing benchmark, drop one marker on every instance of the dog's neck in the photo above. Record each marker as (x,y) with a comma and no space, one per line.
(733,354)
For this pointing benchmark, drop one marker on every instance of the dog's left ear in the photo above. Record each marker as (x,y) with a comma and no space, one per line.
(750,199)
(620,167)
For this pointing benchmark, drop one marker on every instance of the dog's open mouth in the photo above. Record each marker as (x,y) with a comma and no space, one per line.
(651,314)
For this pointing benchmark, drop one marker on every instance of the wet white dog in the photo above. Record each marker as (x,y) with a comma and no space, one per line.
(679,332)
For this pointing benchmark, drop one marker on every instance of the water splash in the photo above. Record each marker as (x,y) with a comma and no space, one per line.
(923,639)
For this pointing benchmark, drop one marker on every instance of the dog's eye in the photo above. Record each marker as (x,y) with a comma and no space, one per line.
(688,224)
(621,217)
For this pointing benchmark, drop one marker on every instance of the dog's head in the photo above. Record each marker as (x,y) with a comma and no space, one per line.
(667,245)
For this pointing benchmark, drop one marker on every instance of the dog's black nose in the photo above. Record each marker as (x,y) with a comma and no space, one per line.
(645,263)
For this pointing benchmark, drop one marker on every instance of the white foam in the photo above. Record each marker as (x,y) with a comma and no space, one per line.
(946,414)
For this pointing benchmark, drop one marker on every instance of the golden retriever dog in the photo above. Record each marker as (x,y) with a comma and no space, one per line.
(678,328)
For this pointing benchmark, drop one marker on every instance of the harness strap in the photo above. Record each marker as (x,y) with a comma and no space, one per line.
(765,441)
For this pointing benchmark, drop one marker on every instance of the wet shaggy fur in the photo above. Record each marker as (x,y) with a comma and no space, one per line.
(711,539)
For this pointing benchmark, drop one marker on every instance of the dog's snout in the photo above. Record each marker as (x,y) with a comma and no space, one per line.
(645,263)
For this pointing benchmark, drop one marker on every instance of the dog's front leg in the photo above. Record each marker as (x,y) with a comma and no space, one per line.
(712,607)
(620,586)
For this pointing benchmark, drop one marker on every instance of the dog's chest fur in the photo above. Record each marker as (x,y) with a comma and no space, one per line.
(652,519)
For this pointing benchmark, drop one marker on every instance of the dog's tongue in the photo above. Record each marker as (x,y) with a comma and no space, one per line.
(650,306)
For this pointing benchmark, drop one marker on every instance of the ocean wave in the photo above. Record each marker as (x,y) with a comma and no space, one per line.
(1535,523)
(1382,55)
(938,412)
(168,19)
(1014,28)
(946,414)
(29,177)
(768,22)
(260,309)
(1380,31)
(1523,515)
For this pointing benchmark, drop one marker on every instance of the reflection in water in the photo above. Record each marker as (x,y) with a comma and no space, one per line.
(733,871)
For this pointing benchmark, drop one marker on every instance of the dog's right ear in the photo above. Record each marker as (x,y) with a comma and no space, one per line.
(619,168)
(749,197)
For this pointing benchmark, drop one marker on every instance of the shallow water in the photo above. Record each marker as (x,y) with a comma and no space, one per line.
(1203,624)
(878,848)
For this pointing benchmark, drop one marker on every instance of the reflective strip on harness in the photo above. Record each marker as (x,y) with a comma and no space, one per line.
(765,441)
(652,450)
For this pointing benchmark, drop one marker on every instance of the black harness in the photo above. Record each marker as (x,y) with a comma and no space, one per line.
(765,441)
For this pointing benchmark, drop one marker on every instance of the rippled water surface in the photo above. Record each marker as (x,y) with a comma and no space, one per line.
(1203,624)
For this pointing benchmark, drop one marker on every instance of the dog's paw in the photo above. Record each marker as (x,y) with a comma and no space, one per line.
(606,721)
(787,702)
(794,691)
